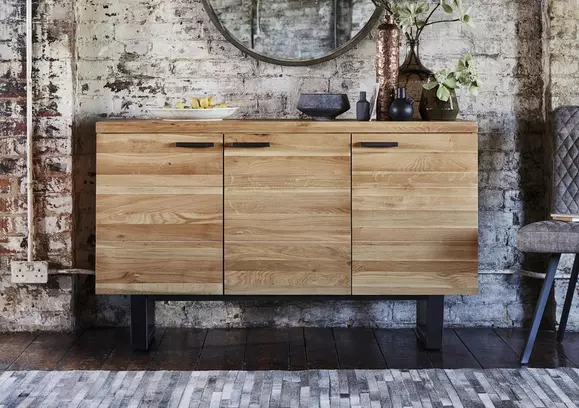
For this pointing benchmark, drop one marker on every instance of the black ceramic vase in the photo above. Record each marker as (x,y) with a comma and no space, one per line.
(432,108)
(323,106)
(402,108)
(363,108)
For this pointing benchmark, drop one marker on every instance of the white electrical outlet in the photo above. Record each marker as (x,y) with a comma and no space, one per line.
(29,272)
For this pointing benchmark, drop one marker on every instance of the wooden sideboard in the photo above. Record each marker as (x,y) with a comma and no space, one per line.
(270,208)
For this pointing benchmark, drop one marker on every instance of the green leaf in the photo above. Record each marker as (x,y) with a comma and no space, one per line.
(422,8)
(430,85)
(451,82)
(447,8)
(466,18)
(443,93)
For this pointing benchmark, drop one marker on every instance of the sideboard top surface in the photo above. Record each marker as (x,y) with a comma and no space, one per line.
(283,126)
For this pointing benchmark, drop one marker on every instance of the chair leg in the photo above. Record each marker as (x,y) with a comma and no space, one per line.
(540,308)
(568,299)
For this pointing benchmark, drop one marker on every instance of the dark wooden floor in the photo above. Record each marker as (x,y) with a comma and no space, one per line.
(280,349)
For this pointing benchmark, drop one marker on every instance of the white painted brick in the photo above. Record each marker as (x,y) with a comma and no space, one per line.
(88,49)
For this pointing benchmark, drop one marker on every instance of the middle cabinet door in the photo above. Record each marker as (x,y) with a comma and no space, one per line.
(287,214)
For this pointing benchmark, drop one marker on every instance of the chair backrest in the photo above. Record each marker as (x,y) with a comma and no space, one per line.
(566,161)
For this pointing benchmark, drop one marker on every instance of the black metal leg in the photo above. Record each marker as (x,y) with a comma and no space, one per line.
(568,299)
(142,322)
(430,321)
(540,308)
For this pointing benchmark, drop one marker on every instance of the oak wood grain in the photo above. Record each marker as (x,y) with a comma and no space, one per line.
(209,229)
(156,143)
(159,262)
(412,200)
(160,184)
(415,277)
(159,214)
(415,234)
(435,142)
(287,268)
(415,162)
(197,288)
(287,223)
(381,179)
(415,215)
(289,126)
(183,163)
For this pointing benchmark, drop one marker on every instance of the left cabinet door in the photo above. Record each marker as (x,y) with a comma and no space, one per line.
(159,214)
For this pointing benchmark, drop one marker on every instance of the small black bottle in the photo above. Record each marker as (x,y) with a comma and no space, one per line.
(402,108)
(363,108)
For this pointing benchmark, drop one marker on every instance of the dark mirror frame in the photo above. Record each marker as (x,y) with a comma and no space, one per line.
(295,62)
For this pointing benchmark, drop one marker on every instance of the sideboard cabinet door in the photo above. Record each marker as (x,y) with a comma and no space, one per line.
(159,221)
(414,214)
(287,214)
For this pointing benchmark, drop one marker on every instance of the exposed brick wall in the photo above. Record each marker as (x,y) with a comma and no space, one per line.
(36,306)
(130,55)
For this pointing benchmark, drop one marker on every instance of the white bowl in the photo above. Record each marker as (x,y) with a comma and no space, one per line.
(193,114)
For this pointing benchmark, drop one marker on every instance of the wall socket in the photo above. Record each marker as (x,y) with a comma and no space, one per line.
(29,272)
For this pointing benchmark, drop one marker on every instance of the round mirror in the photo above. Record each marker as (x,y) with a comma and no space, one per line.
(293,32)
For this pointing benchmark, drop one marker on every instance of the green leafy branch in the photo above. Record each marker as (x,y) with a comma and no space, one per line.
(464,75)
(413,16)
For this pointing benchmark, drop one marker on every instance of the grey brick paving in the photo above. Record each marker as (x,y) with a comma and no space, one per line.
(525,387)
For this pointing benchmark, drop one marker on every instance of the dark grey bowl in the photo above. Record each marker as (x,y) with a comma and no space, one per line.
(323,106)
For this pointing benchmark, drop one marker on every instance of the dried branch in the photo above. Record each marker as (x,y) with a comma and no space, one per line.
(426,21)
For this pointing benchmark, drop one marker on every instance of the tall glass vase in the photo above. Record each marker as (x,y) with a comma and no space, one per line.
(387,60)
(413,74)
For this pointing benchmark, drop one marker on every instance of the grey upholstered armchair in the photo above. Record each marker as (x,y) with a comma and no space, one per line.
(557,237)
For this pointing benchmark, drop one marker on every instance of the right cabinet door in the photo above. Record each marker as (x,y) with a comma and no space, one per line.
(414,214)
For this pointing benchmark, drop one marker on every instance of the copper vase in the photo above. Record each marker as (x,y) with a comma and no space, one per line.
(413,74)
(387,60)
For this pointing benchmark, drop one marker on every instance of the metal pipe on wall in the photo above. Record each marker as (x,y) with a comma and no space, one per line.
(29,135)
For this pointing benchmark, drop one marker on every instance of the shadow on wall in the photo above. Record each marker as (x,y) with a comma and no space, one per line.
(533,144)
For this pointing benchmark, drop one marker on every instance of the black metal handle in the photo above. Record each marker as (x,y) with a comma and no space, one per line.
(250,144)
(194,144)
(378,144)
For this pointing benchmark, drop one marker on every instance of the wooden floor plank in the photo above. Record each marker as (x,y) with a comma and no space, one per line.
(179,349)
(488,348)
(224,349)
(570,347)
(546,352)
(267,349)
(297,340)
(45,352)
(280,349)
(12,345)
(402,349)
(454,353)
(320,348)
(91,350)
(357,348)
(124,358)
